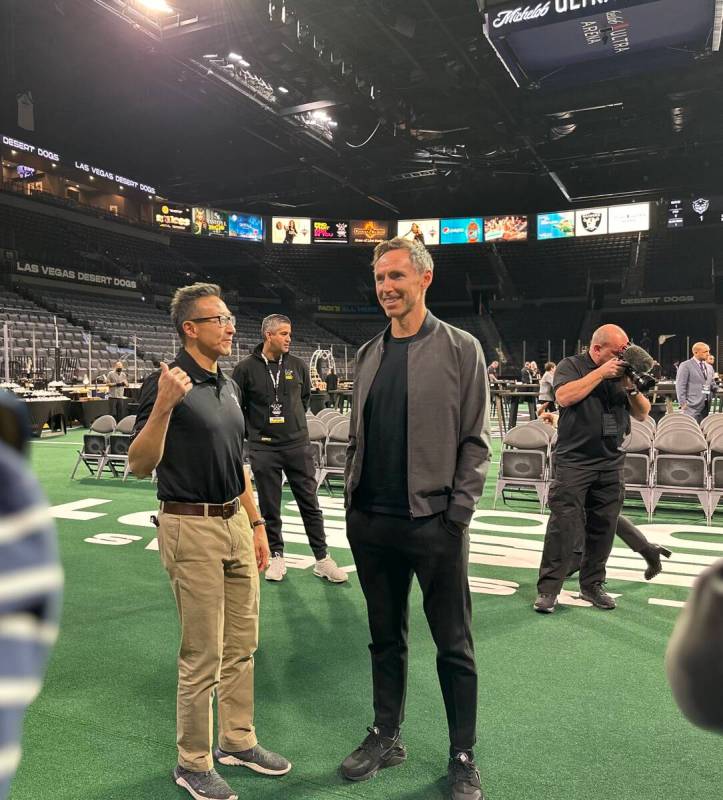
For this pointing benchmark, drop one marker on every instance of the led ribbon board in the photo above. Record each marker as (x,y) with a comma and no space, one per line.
(558,43)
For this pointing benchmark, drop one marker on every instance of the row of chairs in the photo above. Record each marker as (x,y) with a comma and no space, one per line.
(677,457)
(105,446)
(329,436)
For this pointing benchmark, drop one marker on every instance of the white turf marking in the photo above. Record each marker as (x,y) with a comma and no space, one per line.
(72,510)
(656,601)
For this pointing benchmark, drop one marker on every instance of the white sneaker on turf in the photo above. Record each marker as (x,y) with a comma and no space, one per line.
(276,569)
(327,568)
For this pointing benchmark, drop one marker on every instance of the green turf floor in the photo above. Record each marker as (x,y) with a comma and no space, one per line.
(571,706)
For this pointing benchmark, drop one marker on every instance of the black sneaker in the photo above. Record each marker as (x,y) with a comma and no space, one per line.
(545,603)
(373,754)
(463,777)
(203,785)
(596,595)
(256,759)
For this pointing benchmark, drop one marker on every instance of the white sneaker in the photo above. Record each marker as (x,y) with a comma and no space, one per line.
(276,569)
(327,568)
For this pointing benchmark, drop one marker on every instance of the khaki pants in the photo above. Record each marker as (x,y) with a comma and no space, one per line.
(213,572)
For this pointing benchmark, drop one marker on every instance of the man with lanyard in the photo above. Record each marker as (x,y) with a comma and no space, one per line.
(212,541)
(276,392)
(586,494)
(695,383)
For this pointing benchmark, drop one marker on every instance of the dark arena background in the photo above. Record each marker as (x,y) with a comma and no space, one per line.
(562,160)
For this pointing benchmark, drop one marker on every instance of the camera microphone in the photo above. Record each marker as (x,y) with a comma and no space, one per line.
(640,360)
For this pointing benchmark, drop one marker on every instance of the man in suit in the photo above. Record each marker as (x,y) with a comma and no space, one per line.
(694,383)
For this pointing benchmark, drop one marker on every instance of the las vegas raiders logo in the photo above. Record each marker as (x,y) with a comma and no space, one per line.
(591,220)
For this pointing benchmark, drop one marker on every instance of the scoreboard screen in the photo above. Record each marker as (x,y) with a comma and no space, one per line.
(694,211)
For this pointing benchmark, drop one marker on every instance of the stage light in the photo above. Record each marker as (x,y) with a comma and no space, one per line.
(92,177)
(53,166)
(283,90)
(238,59)
(283,14)
(333,123)
(13,152)
(211,55)
(157,5)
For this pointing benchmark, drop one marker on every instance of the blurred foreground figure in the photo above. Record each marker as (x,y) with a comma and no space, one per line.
(30,585)
(694,660)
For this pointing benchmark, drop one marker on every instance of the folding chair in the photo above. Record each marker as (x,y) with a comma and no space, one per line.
(95,444)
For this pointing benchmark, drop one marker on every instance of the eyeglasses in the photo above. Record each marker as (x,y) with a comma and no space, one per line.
(222,320)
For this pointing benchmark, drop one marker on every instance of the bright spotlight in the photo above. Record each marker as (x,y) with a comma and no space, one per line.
(157,5)
(283,90)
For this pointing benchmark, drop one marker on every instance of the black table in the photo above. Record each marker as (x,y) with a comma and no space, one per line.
(88,411)
(341,398)
(53,413)
(507,403)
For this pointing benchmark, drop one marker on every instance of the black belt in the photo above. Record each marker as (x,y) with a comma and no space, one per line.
(225,510)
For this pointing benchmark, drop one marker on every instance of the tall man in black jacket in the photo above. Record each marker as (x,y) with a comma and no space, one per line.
(276,391)
(418,453)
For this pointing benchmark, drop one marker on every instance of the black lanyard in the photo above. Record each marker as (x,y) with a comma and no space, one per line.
(275,379)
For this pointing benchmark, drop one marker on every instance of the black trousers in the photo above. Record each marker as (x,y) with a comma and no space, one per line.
(580,500)
(629,533)
(117,405)
(388,551)
(297,464)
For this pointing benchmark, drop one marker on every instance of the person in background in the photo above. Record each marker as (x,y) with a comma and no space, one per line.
(493,372)
(332,381)
(695,383)
(276,390)
(526,374)
(586,495)
(117,380)
(31,582)
(534,372)
(547,395)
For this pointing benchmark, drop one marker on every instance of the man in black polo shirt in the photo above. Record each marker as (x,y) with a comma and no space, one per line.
(586,494)
(212,541)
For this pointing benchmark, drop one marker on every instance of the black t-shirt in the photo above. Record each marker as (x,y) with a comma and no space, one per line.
(580,440)
(383,486)
(203,455)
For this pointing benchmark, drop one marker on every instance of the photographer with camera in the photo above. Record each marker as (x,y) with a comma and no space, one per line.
(596,393)
(695,383)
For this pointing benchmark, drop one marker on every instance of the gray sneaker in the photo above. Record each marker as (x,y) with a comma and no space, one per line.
(277,568)
(256,759)
(203,785)
(327,568)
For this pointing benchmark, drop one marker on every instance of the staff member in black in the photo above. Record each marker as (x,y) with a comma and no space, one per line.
(276,391)
(595,402)
(418,453)
(212,542)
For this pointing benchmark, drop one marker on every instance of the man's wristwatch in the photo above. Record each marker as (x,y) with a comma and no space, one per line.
(257,523)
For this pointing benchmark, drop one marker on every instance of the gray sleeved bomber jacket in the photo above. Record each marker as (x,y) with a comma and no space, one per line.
(448,430)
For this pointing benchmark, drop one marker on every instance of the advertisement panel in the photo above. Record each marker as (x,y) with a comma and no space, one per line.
(425,231)
(200,221)
(462,230)
(330,231)
(291,230)
(172,218)
(506,229)
(369,231)
(217,222)
(591,221)
(556,225)
(629,218)
(246,226)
